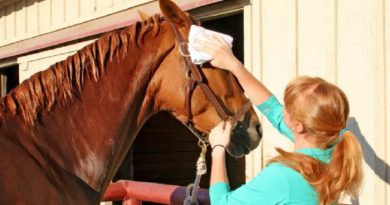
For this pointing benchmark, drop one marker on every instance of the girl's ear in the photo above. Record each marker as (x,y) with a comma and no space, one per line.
(174,14)
(299,127)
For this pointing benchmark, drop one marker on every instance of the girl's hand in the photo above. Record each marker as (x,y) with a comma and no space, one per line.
(220,135)
(223,56)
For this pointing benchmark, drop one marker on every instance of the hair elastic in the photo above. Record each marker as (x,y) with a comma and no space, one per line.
(342,131)
(341,134)
(217,145)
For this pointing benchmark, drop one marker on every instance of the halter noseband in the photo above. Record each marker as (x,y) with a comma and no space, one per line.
(196,77)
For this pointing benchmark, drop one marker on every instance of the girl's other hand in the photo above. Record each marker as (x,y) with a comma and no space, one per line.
(220,135)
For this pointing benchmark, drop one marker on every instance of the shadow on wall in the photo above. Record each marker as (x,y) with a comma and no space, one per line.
(370,157)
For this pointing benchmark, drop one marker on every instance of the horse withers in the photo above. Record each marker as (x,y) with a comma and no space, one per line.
(65,131)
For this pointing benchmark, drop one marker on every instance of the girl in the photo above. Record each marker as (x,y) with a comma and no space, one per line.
(327,159)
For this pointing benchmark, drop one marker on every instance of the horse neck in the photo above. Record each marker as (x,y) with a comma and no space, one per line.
(90,137)
(127,115)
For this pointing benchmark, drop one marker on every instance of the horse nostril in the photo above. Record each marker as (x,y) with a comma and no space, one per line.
(259,130)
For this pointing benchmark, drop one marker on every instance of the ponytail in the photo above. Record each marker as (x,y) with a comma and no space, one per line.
(342,174)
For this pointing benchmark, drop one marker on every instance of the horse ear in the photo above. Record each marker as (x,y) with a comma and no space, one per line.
(173,13)
(143,15)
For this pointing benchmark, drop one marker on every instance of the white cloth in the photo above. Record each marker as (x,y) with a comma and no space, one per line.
(199,33)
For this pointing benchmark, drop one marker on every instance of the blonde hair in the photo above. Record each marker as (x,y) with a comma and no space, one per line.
(323,110)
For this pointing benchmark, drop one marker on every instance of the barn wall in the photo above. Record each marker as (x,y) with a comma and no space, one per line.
(343,41)
(31,64)
(29,18)
(45,26)
(25,19)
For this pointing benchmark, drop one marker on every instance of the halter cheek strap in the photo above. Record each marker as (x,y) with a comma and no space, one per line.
(196,77)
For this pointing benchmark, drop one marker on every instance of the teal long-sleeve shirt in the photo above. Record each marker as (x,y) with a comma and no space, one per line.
(276,183)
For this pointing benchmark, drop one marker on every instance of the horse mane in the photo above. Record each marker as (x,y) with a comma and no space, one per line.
(61,82)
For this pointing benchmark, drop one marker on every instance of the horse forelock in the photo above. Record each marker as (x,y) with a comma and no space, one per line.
(61,82)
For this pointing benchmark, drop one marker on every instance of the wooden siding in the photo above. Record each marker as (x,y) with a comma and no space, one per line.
(386,38)
(343,41)
(37,26)
(31,64)
(24,19)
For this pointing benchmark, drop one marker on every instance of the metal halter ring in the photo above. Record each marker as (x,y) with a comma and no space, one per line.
(183,48)
(202,143)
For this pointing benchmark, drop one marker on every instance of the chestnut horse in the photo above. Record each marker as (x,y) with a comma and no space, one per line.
(65,131)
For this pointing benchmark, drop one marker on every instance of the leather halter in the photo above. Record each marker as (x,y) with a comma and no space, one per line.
(196,77)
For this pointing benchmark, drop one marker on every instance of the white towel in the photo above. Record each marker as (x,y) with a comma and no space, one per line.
(199,33)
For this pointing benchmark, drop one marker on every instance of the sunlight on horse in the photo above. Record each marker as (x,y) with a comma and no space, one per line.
(65,131)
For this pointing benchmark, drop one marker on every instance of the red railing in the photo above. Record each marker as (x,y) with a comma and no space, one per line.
(133,193)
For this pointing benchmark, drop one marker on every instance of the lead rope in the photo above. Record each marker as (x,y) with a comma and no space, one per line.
(201,169)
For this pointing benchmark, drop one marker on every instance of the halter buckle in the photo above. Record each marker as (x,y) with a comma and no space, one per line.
(184,49)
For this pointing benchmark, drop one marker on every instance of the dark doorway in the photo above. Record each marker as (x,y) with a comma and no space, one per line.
(165,151)
(232,25)
(9,79)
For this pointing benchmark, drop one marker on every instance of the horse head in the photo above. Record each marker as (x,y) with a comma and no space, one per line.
(174,89)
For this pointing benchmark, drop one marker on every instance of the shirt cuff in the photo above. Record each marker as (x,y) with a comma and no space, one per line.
(271,102)
(217,190)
